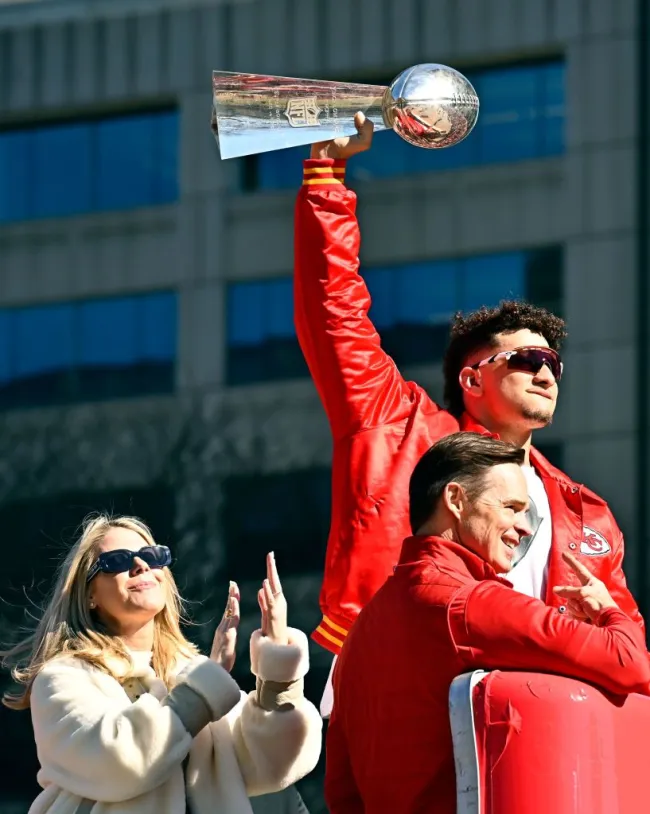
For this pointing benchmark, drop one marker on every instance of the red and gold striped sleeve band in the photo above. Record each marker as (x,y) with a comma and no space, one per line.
(330,635)
(323,172)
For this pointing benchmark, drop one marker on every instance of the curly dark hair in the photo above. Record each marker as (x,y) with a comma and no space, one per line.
(479,330)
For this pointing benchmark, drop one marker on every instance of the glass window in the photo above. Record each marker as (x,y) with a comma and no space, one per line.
(15,176)
(158,326)
(116,162)
(411,307)
(522,116)
(166,165)
(490,278)
(553,109)
(104,348)
(508,121)
(62,170)
(261,336)
(125,162)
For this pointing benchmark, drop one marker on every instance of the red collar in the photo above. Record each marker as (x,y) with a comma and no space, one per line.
(451,556)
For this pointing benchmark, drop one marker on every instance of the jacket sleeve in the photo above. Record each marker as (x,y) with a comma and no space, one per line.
(100,746)
(617,584)
(276,731)
(493,627)
(358,383)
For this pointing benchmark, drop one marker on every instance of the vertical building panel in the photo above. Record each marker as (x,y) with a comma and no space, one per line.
(84,62)
(147,54)
(182,48)
(54,89)
(208,44)
(340,42)
(370,34)
(275,36)
(117,58)
(306,39)
(535,23)
(472,17)
(502,24)
(21,90)
(403,35)
(438,30)
(245,37)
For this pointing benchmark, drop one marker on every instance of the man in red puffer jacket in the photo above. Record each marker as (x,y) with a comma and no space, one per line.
(502,370)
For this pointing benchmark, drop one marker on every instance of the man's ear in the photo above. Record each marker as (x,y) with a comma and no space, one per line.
(454,499)
(471,381)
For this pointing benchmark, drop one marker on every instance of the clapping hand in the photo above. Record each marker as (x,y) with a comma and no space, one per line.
(273,604)
(225,637)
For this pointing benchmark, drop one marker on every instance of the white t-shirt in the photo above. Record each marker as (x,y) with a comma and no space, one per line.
(530,572)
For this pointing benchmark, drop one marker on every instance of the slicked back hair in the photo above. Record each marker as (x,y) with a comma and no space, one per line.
(465,458)
(479,329)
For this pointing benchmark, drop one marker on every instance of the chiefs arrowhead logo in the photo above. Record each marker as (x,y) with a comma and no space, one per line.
(594,543)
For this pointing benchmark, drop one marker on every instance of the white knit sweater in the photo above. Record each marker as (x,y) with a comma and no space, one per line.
(111,747)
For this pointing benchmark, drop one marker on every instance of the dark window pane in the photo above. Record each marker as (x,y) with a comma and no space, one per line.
(15,175)
(158,327)
(508,126)
(110,348)
(281,169)
(246,322)
(125,162)
(490,278)
(381,284)
(118,162)
(389,156)
(544,278)
(279,308)
(108,332)
(62,170)
(553,110)
(165,168)
(412,305)
(291,517)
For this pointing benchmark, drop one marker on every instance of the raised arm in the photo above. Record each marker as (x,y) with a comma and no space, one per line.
(358,383)
(496,628)
(276,731)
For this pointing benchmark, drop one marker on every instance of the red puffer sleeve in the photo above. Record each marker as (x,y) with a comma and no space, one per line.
(358,383)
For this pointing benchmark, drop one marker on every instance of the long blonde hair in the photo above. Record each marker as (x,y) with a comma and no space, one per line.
(68,627)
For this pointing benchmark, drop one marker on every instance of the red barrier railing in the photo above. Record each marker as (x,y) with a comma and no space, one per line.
(531,743)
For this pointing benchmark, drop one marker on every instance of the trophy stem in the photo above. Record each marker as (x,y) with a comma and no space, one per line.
(256,113)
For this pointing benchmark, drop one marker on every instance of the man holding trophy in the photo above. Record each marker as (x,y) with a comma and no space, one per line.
(502,367)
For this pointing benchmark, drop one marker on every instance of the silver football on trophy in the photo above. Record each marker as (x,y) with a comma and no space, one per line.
(428,105)
(431,106)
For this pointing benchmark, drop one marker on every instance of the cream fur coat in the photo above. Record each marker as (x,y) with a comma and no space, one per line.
(111,747)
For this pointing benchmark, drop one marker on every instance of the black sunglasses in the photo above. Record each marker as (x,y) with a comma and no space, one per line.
(120,560)
(531,360)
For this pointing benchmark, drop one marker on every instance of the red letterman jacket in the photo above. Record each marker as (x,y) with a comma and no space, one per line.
(382,424)
(443,613)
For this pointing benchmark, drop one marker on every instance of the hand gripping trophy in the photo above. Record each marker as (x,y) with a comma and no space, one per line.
(428,105)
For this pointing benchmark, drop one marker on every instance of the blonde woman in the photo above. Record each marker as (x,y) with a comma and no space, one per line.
(129,718)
